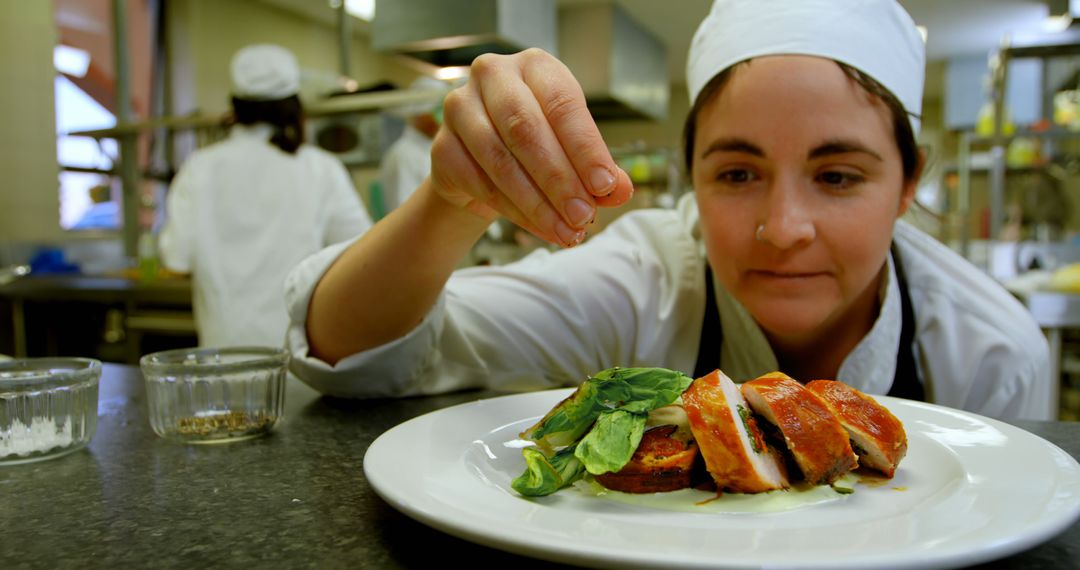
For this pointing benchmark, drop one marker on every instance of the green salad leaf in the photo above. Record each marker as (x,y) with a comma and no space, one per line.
(638,390)
(567,421)
(611,443)
(602,422)
(544,475)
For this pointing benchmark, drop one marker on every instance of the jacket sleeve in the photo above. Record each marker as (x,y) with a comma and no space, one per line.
(980,349)
(176,243)
(548,320)
(1013,384)
(976,368)
(347,216)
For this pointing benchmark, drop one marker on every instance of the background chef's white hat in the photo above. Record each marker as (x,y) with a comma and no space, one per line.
(438,89)
(876,37)
(265,72)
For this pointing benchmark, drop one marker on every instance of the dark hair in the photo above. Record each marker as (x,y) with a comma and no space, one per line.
(902,131)
(286,115)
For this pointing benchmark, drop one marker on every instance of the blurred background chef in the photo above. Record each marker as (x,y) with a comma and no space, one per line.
(408,160)
(242,212)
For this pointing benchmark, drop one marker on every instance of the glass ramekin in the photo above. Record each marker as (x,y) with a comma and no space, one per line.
(213,395)
(48,407)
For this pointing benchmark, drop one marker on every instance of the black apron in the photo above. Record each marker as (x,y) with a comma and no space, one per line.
(906,383)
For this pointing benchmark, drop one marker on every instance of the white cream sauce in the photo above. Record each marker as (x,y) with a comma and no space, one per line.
(695,501)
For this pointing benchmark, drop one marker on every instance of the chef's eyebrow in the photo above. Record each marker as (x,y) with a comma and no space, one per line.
(841,146)
(733,144)
(828,148)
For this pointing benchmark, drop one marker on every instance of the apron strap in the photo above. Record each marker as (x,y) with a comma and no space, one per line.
(712,334)
(905,383)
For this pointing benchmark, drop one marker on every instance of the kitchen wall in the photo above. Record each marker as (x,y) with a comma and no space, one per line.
(658,133)
(206,35)
(29,202)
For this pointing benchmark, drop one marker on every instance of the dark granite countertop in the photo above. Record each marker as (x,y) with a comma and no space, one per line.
(294,499)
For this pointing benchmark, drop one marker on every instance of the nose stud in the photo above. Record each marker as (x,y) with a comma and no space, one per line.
(757,233)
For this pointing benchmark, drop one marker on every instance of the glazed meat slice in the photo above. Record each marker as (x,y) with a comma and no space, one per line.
(730,440)
(817,441)
(877,436)
(660,463)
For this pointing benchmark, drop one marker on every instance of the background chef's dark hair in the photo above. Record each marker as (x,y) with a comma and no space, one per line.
(902,131)
(285,115)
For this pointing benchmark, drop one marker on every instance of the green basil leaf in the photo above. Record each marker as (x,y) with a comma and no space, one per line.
(611,443)
(544,475)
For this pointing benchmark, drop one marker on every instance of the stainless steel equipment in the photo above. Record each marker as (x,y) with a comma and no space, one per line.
(453,32)
(622,66)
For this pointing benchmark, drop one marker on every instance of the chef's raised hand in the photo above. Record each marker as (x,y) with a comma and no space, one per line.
(518,140)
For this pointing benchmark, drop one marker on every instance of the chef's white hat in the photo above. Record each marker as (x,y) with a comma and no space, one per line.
(423,84)
(876,37)
(264,72)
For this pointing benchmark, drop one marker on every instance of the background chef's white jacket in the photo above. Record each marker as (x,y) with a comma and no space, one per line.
(634,295)
(240,214)
(404,166)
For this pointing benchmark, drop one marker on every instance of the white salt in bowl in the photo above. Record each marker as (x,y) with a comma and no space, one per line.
(48,407)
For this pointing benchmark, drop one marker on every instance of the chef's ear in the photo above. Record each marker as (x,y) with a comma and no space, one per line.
(907,193)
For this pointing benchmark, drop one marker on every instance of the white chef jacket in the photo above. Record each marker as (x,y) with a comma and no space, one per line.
(634,295)
(404,166)
(239,215)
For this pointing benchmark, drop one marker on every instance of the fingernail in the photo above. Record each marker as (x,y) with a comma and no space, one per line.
(602,181)
(567,235)
(579,212)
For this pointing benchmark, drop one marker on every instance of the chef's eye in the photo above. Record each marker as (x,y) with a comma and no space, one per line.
(735,176)
(838,180)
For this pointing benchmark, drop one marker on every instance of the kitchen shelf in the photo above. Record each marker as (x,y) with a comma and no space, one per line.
(1043,48)
(340,105)
(212,126)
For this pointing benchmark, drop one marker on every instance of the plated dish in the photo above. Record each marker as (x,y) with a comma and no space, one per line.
(971,489)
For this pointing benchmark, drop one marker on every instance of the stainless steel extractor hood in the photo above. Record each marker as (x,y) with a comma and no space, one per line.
(622,67)
(453,32)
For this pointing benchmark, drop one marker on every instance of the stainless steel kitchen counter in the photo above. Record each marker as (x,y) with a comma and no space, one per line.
(1055,312)
(163,305)
(98,289)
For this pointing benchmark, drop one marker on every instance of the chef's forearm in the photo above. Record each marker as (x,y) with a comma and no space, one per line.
(384,284)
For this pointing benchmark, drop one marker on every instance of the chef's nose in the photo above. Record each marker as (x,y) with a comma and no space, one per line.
(788,219)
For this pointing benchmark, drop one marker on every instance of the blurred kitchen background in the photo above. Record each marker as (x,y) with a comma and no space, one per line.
(104,99)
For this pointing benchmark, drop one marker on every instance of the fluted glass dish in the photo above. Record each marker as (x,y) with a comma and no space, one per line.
(215,395)
(48,407)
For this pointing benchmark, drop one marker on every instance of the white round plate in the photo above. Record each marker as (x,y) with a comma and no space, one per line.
(971,489)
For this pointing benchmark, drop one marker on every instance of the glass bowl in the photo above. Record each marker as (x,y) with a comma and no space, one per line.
(48,407)
(214,395)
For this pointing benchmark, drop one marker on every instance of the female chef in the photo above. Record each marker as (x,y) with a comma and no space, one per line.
(243,212)
(788,255)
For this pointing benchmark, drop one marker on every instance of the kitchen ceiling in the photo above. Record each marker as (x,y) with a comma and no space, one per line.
(956,27)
